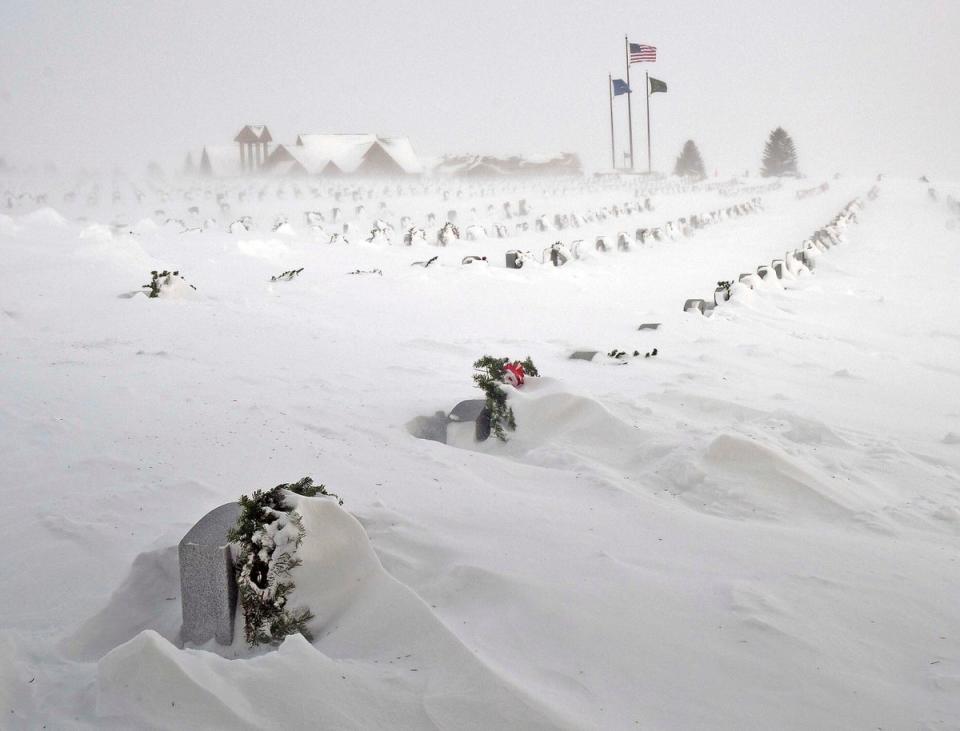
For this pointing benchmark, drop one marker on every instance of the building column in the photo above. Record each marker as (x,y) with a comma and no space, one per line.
(243,161)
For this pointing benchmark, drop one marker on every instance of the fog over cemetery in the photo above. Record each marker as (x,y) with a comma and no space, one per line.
(333,398)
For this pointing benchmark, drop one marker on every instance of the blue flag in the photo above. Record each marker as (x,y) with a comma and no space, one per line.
(620,87)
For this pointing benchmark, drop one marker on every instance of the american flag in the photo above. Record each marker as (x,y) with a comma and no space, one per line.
(642,52)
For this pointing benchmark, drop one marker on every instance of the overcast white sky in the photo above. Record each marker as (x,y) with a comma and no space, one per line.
(862,86)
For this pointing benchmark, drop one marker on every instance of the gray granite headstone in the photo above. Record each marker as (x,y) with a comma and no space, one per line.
(514,260)
(474,410)
(584,354)
(208,586)
(649,326)
(433,427)
(693,305)
(468,410)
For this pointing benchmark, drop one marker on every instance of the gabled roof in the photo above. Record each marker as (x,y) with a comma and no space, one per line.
(400,149)
(220,161)
(287,168)
(253,133)
(349,151)
(309,160)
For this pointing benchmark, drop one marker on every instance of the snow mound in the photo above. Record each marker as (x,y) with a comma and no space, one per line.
(745,478)
(563,430)
(149,598)
(179,289)
(270,249)
(7,226)
(96,232)
(44,218)
(145,226)
(380,659)
(725,474)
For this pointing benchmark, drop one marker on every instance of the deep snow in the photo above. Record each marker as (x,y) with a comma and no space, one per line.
(758,528)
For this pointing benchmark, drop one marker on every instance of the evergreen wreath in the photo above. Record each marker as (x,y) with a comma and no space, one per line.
(268,534)
(489,378)
(286,276)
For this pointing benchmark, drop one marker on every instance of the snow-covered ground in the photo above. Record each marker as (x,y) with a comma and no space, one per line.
(757,528)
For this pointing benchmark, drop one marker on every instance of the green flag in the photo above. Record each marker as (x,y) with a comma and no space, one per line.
(657,85)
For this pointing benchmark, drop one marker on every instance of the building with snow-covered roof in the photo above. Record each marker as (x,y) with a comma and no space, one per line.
(364,154)
(312,155)
(254,141)
(287,160)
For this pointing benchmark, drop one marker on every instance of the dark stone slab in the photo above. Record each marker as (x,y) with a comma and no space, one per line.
(474,410)
(433,427)
(468,410)
(208,587)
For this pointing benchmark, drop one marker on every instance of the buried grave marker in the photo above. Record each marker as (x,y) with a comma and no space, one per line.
(208,586)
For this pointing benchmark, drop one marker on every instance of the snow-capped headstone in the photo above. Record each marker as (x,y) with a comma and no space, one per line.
(208,585)
(474,410)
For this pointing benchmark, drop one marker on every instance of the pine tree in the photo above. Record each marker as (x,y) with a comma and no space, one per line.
(689,164)
(779,155)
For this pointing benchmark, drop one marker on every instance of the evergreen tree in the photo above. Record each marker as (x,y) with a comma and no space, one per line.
(779,155)
(689,164)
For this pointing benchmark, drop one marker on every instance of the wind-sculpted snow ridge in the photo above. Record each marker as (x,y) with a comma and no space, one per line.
(775,466)
(381,659)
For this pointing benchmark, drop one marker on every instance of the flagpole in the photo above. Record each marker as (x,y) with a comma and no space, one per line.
(648,121)
(613,149)
(626,43)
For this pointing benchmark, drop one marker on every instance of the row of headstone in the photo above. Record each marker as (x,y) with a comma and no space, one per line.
(793,263)
(683,226)
(808,192)
(735,188)
(559,254)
